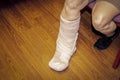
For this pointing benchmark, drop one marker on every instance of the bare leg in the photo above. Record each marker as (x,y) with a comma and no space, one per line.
(102,15)
(71,10)
(68,33)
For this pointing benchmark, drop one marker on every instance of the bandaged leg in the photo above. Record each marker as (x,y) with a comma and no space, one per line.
(66,44)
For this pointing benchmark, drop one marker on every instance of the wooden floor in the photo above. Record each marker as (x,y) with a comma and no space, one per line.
(28,31)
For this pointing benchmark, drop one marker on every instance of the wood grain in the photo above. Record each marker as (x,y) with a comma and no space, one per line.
(28,32)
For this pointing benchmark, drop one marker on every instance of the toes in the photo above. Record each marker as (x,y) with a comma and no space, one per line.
(58,66)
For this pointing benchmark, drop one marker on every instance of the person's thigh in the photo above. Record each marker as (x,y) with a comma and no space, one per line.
(102,14)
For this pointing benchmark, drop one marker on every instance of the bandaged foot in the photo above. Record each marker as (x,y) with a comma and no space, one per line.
(65,44)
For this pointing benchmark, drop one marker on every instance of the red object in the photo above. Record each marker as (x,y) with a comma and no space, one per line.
(117,60)
(117,21)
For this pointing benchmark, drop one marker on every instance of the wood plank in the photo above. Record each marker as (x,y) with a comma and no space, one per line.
(28,32)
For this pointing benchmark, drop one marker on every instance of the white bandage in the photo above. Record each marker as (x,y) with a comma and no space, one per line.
(66,44)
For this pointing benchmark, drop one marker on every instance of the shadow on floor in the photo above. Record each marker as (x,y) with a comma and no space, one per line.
(9,3)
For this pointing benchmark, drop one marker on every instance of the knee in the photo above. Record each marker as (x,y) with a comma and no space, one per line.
(99,22)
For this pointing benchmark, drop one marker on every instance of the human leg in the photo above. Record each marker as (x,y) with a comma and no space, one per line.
(102,15)
(68,33)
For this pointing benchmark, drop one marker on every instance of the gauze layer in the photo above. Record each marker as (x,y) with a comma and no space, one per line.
(65,44)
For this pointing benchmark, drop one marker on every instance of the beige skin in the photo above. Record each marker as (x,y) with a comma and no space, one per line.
(102,14)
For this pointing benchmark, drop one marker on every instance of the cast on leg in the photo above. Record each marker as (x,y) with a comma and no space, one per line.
(65,44)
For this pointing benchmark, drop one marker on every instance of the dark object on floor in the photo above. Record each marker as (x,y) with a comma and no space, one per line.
(104,42)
